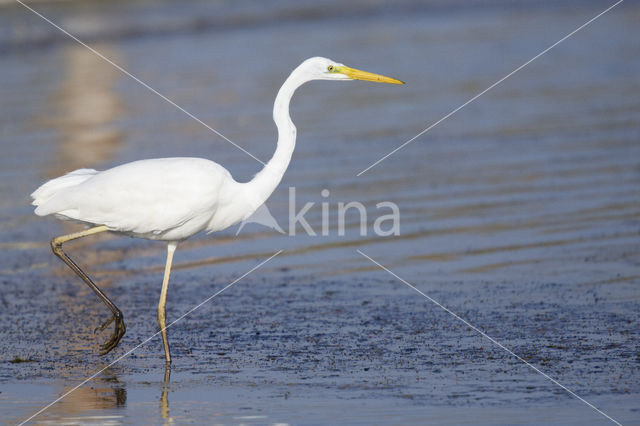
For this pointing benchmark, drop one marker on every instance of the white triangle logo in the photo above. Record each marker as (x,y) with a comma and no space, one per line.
(262,216)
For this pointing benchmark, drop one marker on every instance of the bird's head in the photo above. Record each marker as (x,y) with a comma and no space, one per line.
(319,68)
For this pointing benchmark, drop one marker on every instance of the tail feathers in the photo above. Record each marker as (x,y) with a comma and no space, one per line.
(54,186)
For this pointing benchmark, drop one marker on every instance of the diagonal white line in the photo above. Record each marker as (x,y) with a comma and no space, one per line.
(490,87)
(491,339)
(148,339)
(140,81)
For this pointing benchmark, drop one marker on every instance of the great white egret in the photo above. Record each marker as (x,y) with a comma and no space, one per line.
(171,199)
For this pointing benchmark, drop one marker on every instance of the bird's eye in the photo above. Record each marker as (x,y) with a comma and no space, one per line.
(330,68)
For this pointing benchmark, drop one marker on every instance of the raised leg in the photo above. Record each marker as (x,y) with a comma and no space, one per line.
(120,328)
(162,315)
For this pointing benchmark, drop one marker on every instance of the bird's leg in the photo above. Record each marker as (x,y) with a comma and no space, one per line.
(120,328)
(162,315)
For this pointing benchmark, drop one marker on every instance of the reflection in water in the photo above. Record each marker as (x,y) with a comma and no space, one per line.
(105,393)
(86,106)
(164,397)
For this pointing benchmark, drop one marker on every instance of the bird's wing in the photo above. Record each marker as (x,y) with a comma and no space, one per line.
(145,197)
(54,186)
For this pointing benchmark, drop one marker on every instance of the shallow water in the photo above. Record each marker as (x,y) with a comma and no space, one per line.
(520,213)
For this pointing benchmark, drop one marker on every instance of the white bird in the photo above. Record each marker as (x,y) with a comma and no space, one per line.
(171,199)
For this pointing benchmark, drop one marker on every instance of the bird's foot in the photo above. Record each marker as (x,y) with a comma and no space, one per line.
(117,334)
(105,325)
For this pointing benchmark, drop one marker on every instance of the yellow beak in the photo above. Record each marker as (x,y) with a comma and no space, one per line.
(355,74)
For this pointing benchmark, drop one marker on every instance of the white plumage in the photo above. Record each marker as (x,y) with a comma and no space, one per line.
(171,199)
(162,199)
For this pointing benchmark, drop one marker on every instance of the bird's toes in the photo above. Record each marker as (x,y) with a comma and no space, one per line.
(118,332)
(105,325)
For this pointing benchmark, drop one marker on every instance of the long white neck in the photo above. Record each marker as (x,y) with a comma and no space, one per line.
(266,181)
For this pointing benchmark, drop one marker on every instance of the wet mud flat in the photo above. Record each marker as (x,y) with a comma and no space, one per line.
(281,349)
(521,214)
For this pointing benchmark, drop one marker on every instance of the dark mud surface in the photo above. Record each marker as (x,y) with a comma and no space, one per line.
(520,214)
(291,344)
